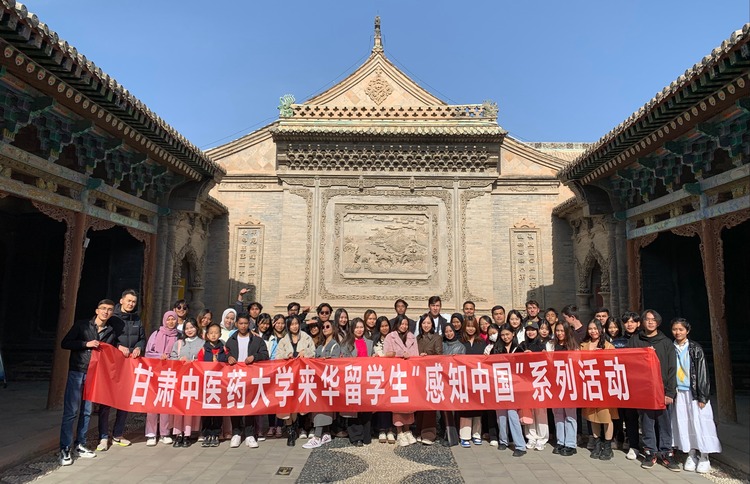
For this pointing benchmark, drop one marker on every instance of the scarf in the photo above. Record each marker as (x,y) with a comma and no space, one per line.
(165,337)
(224,315)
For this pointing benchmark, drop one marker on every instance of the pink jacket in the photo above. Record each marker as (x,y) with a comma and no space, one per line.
(393,344)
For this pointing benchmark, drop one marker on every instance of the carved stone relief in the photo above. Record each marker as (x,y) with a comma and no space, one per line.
(308,196)
(378,89)
(416,263)
(248,263)
(467,294)
(389,243)
(526,266)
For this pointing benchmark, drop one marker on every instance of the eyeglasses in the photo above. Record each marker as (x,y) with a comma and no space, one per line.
(181,306)
(327,326)
(325,312)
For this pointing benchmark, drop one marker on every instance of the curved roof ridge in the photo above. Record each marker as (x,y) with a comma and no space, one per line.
(121,96)
(698,69)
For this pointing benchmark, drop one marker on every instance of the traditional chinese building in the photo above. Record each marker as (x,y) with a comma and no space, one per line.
(661,208)
(376,190)
(97,195)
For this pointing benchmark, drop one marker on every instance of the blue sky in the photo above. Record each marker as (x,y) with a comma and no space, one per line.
(559,71)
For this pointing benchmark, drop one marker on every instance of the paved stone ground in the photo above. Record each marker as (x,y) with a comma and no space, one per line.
(341,462)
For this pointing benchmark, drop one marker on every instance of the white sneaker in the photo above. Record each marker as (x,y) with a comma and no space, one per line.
(401,440)
(493,443)
(85,452)
(382,438)
(302,434)
(391,438)
(313,443)
(539,446)
(326,438)
(261,438)
(250,442)
(151,441)
(103,445)
(121,441)
(704,466)
(65,458)
(410,437)
(531,444)
(235,442)
(632,454)
(427,442)
(419,439)
(691,461)
(166,440)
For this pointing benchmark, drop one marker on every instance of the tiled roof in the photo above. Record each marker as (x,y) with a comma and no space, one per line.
(26,33)
(715,69)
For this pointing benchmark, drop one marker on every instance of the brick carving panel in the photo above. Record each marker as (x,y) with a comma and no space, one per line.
(526,264)
(385,242)
(248,263)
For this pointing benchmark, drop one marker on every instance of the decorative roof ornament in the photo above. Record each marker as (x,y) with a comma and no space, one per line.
(378,89)
(285,108)
(378,46)
(489,109)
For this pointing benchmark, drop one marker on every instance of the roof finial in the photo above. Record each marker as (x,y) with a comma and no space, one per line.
(378,47)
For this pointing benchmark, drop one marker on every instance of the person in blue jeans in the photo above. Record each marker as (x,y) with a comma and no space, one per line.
(84,337)
(507,344)
(130,339)
(658,451)
(566,424)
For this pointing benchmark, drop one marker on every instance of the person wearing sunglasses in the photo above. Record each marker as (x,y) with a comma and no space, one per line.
(181,308)
(328,348)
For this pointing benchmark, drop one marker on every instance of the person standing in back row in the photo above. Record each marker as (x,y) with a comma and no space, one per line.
(661,451)
(130,339)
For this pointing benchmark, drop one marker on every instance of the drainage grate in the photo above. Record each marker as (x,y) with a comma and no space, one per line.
(284,471)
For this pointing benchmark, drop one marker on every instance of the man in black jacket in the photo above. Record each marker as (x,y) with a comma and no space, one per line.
(244,347)
(84,337)
(131,341)
(651,336)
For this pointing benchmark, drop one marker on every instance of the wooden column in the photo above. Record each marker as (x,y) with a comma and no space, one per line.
(72,265)
(712,253)
(634,280)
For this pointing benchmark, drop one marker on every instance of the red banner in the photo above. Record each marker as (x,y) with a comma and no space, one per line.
(625,378)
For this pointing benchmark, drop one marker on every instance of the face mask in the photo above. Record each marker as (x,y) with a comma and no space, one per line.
(493,337)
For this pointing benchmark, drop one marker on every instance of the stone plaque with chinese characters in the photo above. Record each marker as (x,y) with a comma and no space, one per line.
(248,260)
(526,266)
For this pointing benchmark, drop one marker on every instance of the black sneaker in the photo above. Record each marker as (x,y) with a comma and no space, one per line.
(519,453)
(206,441)
(177,441)
(215,441)
(557,449)
(65,458)
(667,460)
(648,461)
(502,446)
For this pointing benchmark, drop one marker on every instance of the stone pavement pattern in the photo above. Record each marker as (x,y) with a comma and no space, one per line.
(382,463)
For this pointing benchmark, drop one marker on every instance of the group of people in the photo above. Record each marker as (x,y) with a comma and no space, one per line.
(245,335)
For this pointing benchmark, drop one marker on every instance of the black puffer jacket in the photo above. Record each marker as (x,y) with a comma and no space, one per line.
(700,386)
(75,340)
(128,329)
(256,347)
(667,357)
